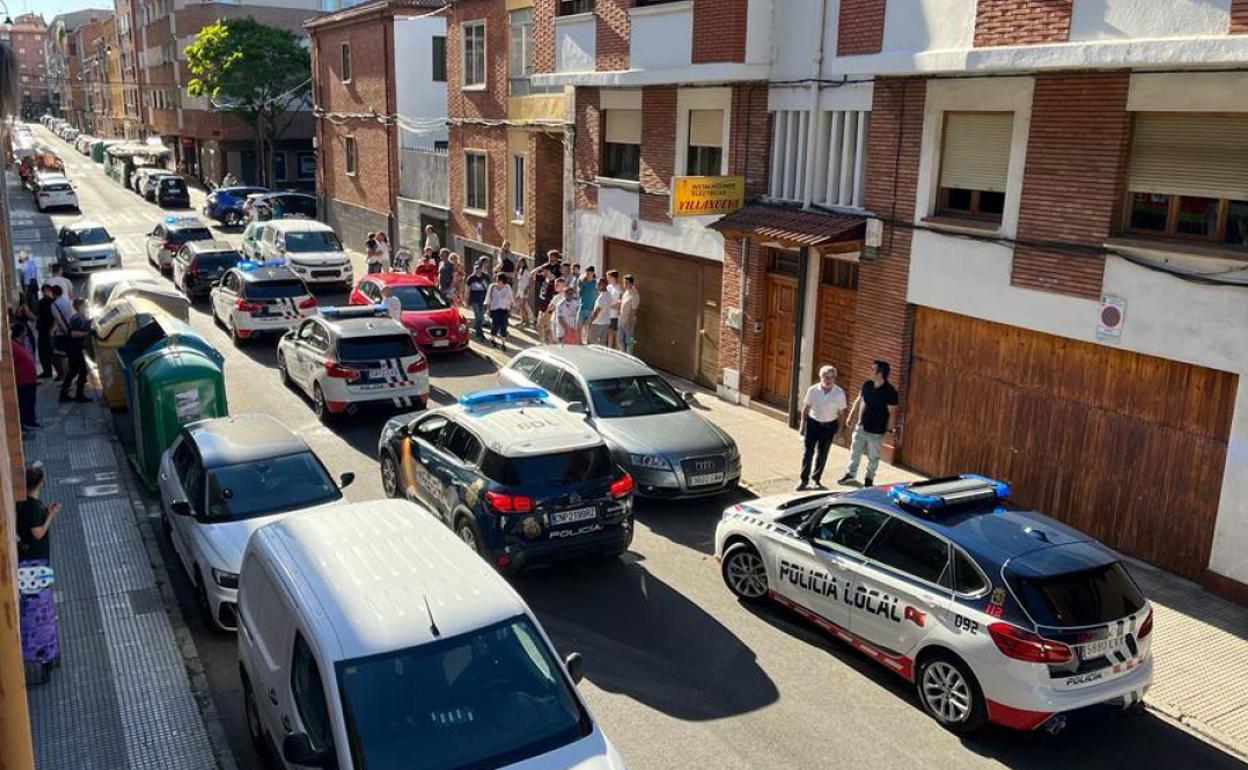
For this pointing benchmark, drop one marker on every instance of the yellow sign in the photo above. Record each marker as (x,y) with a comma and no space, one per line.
(703,196)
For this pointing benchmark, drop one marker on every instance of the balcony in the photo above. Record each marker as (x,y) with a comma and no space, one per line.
(575,43)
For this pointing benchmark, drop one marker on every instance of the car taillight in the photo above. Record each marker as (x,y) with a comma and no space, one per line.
(334,369)
(1146,627)
(192,269)
(417,366)
(310,302)
(622,486)
(1019,644)
(248,307)
(505,503)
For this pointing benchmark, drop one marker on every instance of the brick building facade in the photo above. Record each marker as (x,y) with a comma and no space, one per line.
(29,38)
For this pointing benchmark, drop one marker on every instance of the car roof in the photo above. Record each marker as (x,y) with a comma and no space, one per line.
(243,438)
(85,224)
(183,223)
(593,362)
(213,245)
(398,279)
(525,429)
(262,274)
(365,573)
(351,328)
(299,225)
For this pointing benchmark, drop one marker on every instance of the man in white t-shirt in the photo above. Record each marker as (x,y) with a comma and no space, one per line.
(599,321)
(822,409)
(617,293)
(394,307)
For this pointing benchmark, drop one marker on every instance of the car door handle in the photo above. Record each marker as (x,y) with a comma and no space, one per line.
(273,696)
(286,724)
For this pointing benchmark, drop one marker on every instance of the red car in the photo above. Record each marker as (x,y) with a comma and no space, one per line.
(435,324)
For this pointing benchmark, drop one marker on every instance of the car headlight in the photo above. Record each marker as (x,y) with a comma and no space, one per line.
(733,453)
(463,328)
(225,579)
(653,462)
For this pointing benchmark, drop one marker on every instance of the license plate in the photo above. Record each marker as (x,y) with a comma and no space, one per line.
(268,319)
(706,478)
(1100,648)
(383,373)
(441,343)
(573,516)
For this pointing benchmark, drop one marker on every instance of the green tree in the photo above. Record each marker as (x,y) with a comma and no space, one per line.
(260,73)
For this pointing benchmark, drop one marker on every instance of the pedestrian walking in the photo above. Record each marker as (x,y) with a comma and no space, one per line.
(478,285)
(587,293)
(73,342)
(506,260)
(372,255)
(876,405)
(44,325)
(599,321)
(617,293)
(566,315)
(498,299)
(446,278)
(523,290)
(67,288)
(823,408)
(392,304)
(630,303)
(431,239)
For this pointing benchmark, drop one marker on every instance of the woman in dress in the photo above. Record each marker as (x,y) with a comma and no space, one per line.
(524,282)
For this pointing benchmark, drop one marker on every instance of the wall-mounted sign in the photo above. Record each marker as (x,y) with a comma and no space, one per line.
(1113,314)
(707,196)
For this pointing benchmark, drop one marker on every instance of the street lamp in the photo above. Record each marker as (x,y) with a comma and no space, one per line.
(8,20)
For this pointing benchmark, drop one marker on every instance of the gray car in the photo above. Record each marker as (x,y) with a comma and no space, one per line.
(83,247)
(669,449)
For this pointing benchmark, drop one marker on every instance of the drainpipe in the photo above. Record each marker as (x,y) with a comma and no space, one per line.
(745,264)
(799,322)
(812,123)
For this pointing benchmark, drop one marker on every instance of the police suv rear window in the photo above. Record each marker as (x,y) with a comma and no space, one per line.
(1085,598)
(556,469)
(376,348)
(275,289)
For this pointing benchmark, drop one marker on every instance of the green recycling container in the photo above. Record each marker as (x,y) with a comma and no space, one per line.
(171,386)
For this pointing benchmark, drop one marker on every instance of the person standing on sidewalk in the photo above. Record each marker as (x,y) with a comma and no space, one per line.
(67,288)
(372,255)
(822,409)
(630,303)
(566,313)
(548,291)
(499,298)
(523,289)
(44,324)
(36,603)
(30,280)
(599,320)
(446,277)
(617,293)
(75,340)
(878,402)
(62,311)
(478,286)
(587,291)
(27,380)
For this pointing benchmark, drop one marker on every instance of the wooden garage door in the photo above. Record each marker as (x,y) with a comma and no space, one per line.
(1127,447)
(679,298)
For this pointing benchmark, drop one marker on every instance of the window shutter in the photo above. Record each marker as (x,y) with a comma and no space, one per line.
(706,128)
(1199,155)
(623,127)
(976,151)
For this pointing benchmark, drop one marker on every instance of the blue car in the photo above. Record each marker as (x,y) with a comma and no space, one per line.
(519,480)
(225,204)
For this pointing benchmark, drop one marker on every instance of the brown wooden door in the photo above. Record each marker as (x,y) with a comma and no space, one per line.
(712,277)
(1128,448)
(781,305)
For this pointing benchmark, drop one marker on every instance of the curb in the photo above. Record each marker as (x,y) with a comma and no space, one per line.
(1203,732)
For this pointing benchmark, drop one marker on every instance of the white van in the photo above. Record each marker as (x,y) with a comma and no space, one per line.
(308,247)
(370,636)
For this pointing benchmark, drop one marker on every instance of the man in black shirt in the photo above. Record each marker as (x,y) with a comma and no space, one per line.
(876,404)
(73,344)
(34,519)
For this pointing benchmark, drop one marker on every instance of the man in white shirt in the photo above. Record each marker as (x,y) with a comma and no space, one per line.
(822,409)
(617,294)
(566,311)
(67,288)
(599,320)
(394,308)
(431,239)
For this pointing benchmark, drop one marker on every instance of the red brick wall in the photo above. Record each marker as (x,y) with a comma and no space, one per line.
(544,35)
(860,27)
(1239,17)
(749,145)
(732,341)
(490,103)
(611,47)
(884,323)
(494,141)
(1022,22)
(545,203)
(588,137)
(1073,185)
(658,151)
(719,29)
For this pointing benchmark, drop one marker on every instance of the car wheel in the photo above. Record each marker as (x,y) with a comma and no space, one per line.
(390,475)
(949,693)
(237,340)
(319,407)
(744,572)
(467,532)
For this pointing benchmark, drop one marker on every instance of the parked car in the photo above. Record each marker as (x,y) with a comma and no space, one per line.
(225,204)
(221,480)
(150,181)
(85,246)
(251,241)
(170,235)
(310,248)
(200,264)
(139,177)
(100,285)
(171,191)
(370,637)
(54,191)
(433,321)
(288,204)
(250,301)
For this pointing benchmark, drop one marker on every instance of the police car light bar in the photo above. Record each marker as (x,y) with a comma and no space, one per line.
(495,396)
(354,311)
(936,494)
(174,219)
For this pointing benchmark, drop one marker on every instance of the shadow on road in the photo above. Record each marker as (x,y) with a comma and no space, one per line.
(690,523)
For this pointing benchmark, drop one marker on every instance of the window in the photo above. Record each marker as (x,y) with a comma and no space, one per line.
(279,166)
(974,164)
(525,365)
(429,430)
(571,7)
(1187,178)
(345,74)
(475,181)
(840,273)
(706,143)
(621,146)
(309,695)
(307,165)
(544,376)
(569,389)
(462,445)
(351,157)
(911,550)
(474,54)
(520,59)
(517,187)
(849,526)
(439,59)
(966,578)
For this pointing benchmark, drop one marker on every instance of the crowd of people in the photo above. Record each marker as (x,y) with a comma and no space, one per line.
(562,304)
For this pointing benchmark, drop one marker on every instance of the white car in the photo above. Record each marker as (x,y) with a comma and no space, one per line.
(345,359)
(253,300)
(100,285)
(994,612)
(308,247)
(54,191)
(369,636)
(222,479)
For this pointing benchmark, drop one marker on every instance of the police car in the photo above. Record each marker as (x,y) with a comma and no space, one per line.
(519,480)
(347,358)
(994,612)
(254,299)
(171,234)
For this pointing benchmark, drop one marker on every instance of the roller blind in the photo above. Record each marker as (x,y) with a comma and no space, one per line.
(706,128)
(1199,155)
(623,127)
(976,152)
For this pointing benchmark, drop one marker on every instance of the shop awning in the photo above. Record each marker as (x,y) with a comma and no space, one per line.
(792,228)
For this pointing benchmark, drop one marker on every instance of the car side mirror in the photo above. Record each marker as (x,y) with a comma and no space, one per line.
(345,480)
(576,407)
(297,749)
(575,666)
(181,508)
(689,396)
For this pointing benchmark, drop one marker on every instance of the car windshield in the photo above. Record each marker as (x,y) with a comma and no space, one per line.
(634,397)
(271,485)
(275,289)
(419,297)
(316,240)
(376,348)
(557,469)
(92,236)
(488,698)
(1086,598)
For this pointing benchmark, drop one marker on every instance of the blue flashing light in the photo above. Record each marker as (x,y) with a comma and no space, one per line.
(938,494)
(174,219)
(499,396)
(247,265)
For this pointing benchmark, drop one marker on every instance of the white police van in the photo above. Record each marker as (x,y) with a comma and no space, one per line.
(371,637)
(994,612)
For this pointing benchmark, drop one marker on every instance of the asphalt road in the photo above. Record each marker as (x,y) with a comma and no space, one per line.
(678,673)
